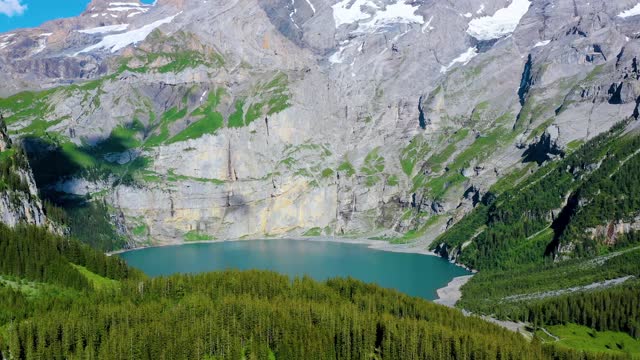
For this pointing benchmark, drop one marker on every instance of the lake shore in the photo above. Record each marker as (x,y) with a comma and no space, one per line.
(448,295)
(372,244)
(451,294)
(381,245)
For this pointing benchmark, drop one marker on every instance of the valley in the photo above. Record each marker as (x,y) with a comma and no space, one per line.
(501,136)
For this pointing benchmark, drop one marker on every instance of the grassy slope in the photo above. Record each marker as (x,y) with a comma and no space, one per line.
(586,339)
(98,282)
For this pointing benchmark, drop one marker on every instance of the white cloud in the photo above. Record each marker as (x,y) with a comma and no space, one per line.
(12,7)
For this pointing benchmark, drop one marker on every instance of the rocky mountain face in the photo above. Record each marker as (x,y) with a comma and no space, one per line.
(19,201)
(205,119)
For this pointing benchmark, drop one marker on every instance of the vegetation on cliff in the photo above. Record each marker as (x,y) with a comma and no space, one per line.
(548,246)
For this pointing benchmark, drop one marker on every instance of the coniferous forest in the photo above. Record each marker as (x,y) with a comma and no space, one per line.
(556,230)
(616,309)
(61,299)
(143,141)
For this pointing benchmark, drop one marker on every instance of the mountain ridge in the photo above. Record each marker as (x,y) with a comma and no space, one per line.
(353,129)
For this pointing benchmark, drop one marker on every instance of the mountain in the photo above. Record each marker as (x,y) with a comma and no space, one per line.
(194,119)
(501,134)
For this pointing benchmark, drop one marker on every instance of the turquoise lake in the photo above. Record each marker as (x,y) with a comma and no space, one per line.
(413,274)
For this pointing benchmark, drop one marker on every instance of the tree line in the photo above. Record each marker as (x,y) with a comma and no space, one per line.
(33,253)
(225,315)
(603,178)
(616,309)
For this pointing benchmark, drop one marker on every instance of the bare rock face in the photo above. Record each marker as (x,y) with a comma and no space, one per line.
(200,119)
(545,147)
(5,141)
(19,202)
(611,232)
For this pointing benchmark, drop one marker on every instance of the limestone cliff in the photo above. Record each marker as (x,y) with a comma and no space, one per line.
(19,202)
(212,119)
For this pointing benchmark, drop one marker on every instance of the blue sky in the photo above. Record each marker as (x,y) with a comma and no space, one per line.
(16,14)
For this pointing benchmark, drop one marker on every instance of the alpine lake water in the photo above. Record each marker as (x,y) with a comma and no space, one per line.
(414,274)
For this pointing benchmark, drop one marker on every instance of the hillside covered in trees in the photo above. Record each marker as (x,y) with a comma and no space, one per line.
(554,213)
(546,244)
(60,299)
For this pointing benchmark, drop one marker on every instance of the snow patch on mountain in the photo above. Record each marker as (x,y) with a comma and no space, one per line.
(294,10)
(5,40)
(125,8)
(427,26)
(345,14)
(105,29)
(42,43)
(631,12)
(463,59)
(118,41)
(375,16)
(131,8)
(337,58)
(126,4)
(311,6)
(542,43)
(500,24)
